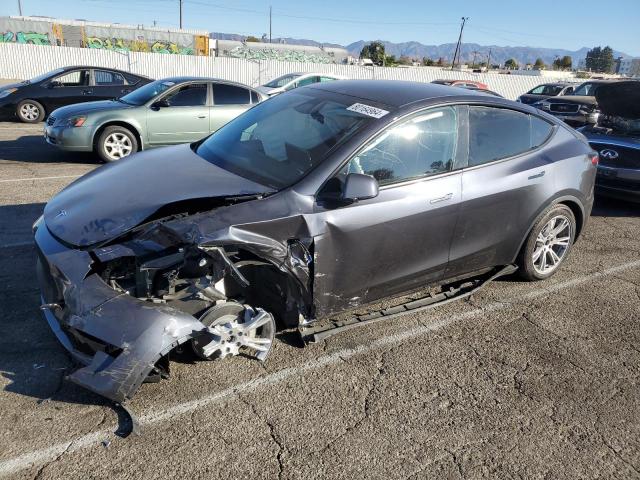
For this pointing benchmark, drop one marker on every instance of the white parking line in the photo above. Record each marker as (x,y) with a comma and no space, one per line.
(38,178)
(17,244)
(38,457)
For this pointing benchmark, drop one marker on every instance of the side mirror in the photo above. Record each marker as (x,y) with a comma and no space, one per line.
(160,104)
(359,186)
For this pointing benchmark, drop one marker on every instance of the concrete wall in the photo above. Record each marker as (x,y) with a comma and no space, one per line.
(25,61)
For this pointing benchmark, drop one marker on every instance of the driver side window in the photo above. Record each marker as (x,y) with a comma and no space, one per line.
(76,78)
(192,95)
(422,146)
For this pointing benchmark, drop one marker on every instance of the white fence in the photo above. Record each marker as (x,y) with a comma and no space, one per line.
(22,61)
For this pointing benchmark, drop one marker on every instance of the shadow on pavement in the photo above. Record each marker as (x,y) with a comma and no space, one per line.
(612,207)
(32,148)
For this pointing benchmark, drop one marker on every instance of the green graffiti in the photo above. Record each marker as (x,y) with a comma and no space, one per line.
(171,48)
(32,38)
(123,45)
(243,51)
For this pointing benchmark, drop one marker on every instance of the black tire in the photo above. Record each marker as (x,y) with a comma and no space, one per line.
(128,146)
(531,270)
(30,111)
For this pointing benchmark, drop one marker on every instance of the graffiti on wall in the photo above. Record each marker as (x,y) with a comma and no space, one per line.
(33,38)
(244,51)
(138,45)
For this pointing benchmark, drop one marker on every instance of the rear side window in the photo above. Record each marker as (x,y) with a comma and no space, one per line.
(308,81)
(496,133)
(422,146)
(540,131)
(230,95)
(104,77)
(254,97)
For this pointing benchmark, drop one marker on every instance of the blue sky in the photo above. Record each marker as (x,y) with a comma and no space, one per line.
(492,22)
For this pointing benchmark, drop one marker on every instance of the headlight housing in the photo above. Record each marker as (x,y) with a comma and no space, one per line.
(7,92)
(76,121)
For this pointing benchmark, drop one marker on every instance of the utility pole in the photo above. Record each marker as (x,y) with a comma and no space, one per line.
(458,45)
(489,61)
(475,52)
(20,7)
(269,23)
(180,1)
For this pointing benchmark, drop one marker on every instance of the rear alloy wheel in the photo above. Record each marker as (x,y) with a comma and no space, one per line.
(30,111)
(233,329)
(548,243)
(116,143)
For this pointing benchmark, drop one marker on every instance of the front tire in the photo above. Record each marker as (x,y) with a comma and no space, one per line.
(548,243)
(116,142)
(30,111)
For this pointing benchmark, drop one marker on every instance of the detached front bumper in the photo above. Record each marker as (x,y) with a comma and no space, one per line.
(75,139)
(118,338)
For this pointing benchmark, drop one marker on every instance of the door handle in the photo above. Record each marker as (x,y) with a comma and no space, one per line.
(537,175)
(202,116)
(446,197)
(87,92)
(125,90)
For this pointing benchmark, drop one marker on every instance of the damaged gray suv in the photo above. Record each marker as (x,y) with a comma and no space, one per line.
(317,202)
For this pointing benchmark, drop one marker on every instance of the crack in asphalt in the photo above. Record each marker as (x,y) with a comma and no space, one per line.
(45,455)
(272,433)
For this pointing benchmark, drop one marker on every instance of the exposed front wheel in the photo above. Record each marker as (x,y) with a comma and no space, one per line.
(115,143)
(548,244)
(234,328)
(30,111)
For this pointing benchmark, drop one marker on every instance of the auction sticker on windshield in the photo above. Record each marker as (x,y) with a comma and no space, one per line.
(367,110)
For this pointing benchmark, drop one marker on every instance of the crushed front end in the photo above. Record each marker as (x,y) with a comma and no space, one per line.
(120,309)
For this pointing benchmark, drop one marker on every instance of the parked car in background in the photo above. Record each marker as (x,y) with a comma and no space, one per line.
(462,83)
(546,90)
(578,108)
(318,201)
(31,100)
(294,80)
(616,137)
(164,112)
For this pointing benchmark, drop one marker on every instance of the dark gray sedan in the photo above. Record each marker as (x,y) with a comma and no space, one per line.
(317,201)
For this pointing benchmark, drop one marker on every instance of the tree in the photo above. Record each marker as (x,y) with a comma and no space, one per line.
(390,60)
(566,62)
(374,51)
(539,65)
(600,60)
(251,38)
(405,60)
(427,62)
(511,64)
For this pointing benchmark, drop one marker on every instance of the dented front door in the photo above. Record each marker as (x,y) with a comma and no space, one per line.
(393,243)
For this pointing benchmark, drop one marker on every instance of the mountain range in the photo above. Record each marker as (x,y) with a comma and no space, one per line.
(499,54)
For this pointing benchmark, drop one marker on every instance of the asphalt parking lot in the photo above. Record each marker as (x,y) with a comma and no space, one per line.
(520,381)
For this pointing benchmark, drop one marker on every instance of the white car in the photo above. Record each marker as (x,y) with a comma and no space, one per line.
(295,80)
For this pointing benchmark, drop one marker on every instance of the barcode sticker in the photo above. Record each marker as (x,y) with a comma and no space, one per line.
(367,110)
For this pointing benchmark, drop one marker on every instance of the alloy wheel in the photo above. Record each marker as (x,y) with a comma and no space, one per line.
(234,330)
(29,111)
(117,145)
(552,244)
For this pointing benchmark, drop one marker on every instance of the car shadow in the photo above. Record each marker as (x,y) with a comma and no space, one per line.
(30,147)
(32,362)
(612,207)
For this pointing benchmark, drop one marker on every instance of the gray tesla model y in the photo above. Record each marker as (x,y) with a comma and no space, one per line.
(317,202)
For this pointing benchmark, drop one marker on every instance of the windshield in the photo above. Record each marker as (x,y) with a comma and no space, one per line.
(44,76)
(143,94)
(586,89)
(279,141)
(282,81)
(551,90)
